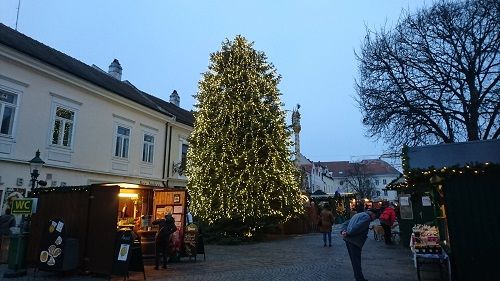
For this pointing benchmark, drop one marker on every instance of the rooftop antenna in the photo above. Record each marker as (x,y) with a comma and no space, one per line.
(17,17)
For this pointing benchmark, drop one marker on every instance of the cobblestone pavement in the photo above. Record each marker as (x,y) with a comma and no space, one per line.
(296,257)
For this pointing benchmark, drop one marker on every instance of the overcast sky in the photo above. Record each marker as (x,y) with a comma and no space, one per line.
(165,46)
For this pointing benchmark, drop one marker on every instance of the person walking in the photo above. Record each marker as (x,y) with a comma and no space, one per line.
(326,221)
(162,239)
(354,233)
(387,219)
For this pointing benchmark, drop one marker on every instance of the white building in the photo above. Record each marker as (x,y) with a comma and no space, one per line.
(379,172)
(88,124)
(320,179)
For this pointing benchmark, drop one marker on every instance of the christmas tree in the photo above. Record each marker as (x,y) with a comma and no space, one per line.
(239,164)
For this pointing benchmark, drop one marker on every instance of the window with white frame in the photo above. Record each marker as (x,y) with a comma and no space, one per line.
(377,182)
(122,141)
(8,105)
(384,181)
(148,148)
(63,126)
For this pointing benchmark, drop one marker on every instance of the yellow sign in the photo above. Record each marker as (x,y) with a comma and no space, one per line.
(24,206)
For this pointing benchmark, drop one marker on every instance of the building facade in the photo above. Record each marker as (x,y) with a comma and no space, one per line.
(377,172)
(89,125)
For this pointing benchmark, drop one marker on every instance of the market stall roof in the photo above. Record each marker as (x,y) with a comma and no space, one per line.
(454,154)
(319,192)
(322,194)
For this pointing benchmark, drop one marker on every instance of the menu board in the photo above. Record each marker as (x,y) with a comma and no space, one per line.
(128,255)
(51,254)
(190,239)
(123,246)
(162,211)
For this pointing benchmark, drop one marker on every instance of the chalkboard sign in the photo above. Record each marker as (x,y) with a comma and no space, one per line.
(51,253)
(190,240)
(123,249)
(128,254)
(136,261)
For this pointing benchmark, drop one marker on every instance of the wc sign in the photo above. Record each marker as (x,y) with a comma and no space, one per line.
(24,206)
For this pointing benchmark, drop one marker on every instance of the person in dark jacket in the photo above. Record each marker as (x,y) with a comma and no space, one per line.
(162,239)
(326,219)
(387,219)
(7,221)
(355,232)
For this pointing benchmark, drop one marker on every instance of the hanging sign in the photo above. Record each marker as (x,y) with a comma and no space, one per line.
(404,201)
(24,206)
(405,209)
(426,201)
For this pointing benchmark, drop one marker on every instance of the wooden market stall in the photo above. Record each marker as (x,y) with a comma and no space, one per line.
(464,180)
(93,215)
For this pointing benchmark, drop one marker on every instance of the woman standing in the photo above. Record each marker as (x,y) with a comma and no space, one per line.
(387,219)
(326,221)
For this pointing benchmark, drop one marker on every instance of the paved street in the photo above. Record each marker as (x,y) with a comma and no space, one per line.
(296,257)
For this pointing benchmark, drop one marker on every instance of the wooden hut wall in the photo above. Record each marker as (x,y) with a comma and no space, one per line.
(71,207)
(166,197)
(474,226)
(421,214)
(102,229)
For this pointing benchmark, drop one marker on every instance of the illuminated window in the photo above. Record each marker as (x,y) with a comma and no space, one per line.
(62,127)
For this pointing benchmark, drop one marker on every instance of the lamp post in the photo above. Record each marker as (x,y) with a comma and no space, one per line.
(18,241)
(35,165)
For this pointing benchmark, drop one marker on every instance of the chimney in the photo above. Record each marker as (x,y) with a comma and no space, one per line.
(174,98)
(115,69)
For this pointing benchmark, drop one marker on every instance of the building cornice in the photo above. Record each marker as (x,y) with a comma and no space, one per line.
(60,167)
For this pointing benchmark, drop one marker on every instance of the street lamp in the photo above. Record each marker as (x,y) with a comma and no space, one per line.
(35,165)
(20,239)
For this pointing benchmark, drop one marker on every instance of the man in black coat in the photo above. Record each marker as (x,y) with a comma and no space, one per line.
(162,239)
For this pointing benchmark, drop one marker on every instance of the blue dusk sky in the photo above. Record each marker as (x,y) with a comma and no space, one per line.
(165,46)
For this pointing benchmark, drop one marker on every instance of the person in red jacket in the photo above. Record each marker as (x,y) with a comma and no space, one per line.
(387,219)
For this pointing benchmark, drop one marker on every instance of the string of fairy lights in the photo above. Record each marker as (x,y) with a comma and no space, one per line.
(415,176)
(239,159)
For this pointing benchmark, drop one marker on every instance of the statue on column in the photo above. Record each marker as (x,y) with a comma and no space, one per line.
(296,129)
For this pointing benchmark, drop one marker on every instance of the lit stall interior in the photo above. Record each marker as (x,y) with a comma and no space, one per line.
(134,208)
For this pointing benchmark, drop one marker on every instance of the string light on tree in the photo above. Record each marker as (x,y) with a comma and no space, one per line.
(239,163)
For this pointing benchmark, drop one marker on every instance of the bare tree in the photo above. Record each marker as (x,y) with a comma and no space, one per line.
(434,77)
(359,181)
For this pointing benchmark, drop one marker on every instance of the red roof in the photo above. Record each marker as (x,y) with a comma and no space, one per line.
(373,167)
